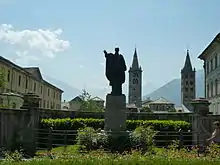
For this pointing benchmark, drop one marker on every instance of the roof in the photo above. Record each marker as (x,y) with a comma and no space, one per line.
(187,66)
(131,106)
(33,72)
(161,100)
(97,99)
(77,98)
(216,39)
(183,109)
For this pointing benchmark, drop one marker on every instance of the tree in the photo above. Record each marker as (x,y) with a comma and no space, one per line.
(88,104)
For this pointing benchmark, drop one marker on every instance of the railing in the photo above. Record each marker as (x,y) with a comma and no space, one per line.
(48,138)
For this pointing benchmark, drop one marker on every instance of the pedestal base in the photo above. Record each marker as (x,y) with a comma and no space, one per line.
(115,113)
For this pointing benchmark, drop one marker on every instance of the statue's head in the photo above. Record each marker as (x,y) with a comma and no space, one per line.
(116,50)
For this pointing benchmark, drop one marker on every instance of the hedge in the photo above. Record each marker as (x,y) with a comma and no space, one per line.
(75,124)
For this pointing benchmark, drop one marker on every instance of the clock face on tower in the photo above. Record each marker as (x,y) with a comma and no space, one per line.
(135,78)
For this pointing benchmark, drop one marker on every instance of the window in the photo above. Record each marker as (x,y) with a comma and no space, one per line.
(48,92)
(48,105)
(207,92)
(191,82)
(191,89)
(9,75)
(34,87)
(191,76)
(216,87)
(207,67)
(211,89)
(51,105)
(187,82)
(186,90)
(211,68)
(186,76)
(1,101)
(216,61)
(26,84)
(41,89)
(44,104)
(19,80)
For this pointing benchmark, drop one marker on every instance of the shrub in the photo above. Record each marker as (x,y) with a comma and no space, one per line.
(88,138)
(142,138)
(75,124)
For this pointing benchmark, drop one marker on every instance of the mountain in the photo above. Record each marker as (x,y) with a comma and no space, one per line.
(69,91)
(172,91)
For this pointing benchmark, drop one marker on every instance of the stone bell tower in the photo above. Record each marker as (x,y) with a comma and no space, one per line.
(135,82)
(188,83)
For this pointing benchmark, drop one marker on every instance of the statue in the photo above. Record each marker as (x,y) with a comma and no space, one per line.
(115,71)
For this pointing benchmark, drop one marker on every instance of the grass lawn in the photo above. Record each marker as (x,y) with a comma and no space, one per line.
(158,157)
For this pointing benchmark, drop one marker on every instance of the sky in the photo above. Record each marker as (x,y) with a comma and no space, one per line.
(66,38)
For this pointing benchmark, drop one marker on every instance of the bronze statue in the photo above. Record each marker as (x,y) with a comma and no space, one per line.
(115,71)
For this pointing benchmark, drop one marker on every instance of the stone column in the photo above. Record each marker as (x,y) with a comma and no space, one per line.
(31,123)
(200,119)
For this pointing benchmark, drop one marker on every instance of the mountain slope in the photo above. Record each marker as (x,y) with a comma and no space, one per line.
(172,91)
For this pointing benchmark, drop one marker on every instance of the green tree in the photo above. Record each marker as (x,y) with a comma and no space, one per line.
(88,104)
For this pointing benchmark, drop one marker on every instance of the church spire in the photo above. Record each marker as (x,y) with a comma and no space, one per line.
(135,64)
(188,65)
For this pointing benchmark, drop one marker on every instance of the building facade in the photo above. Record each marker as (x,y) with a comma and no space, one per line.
(135,82)
(25,80)
(188,83)
(161,105)
(211,58)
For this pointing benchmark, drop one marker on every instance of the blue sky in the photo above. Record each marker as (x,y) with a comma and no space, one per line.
(161,31)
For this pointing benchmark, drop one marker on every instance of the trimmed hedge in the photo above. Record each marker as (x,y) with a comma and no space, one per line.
(75,124)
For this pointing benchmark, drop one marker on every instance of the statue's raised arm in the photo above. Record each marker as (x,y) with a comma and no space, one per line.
(106,53)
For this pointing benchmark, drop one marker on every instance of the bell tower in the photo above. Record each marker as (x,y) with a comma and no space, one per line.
(135,82)
(188,83)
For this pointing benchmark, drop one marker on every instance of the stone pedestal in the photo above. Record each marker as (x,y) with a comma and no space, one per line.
(200,120)
(115,122)
(115,113)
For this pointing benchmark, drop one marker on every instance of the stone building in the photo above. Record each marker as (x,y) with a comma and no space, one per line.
(135,82)
(188,83)
(29,80)
(161,105)
(211,58)
(75,103)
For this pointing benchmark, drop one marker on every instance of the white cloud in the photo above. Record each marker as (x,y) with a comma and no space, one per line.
(31,44)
